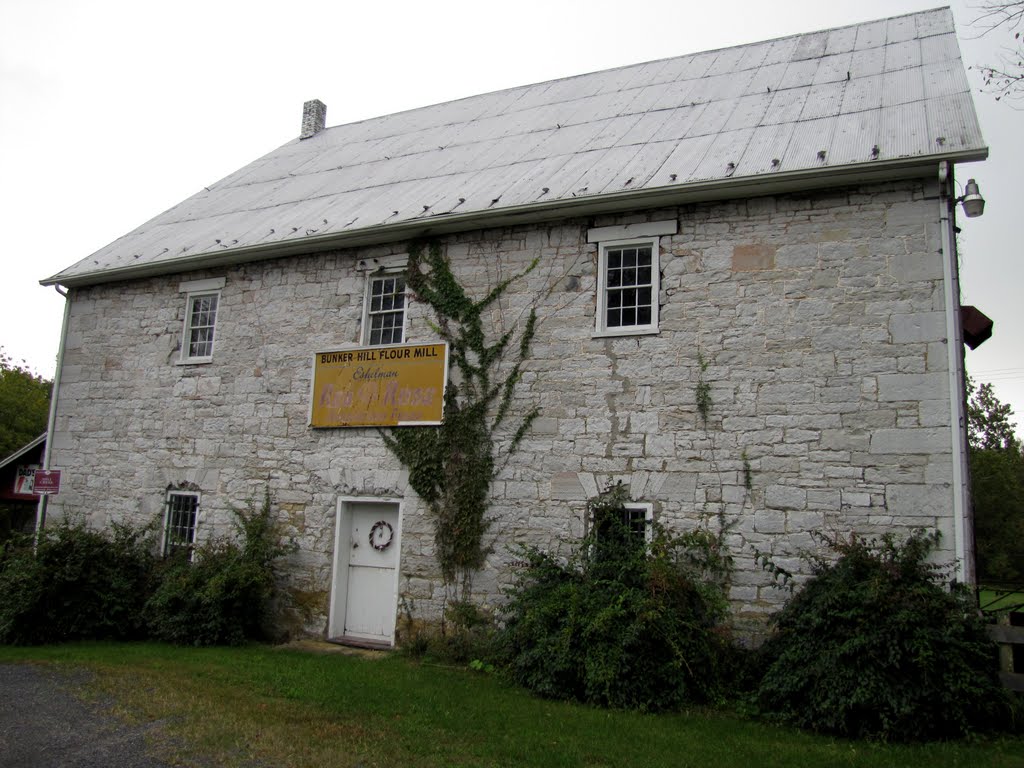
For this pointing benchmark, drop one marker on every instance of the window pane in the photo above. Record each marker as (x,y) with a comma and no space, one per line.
(386,312)
(630,522)
(182,511)
(629,286)
(202,316)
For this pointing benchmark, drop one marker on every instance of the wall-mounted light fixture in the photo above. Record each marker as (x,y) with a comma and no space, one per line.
(972,201)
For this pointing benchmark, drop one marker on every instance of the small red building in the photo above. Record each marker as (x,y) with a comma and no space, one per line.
(18,502)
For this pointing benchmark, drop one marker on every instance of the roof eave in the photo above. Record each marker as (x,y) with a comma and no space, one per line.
(23,450)
(778,182)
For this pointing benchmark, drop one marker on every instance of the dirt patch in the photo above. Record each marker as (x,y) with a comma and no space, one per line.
(310,645)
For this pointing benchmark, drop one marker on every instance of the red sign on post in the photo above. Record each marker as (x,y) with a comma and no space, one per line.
(47,481)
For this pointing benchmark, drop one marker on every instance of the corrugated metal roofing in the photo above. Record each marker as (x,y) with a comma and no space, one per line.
(857,96)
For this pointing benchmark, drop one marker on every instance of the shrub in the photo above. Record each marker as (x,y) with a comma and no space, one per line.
(222,596)
(623,623)
(873,646)
(14,519)
(79,584)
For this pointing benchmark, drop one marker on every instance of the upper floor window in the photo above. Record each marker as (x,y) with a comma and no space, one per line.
(384,321)
(627,301)
(199,325)
(628,276)
(181,516)
(203,299)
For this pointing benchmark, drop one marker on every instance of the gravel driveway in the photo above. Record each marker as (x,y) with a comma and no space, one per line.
(43,724)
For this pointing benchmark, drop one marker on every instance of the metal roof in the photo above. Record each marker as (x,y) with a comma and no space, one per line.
(857,102)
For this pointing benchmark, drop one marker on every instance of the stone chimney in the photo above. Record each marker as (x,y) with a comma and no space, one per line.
(314,117)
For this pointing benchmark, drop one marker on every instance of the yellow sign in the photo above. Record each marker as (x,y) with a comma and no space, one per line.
(379,386)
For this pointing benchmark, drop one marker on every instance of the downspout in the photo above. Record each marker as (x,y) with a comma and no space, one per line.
(963,521)
(51,421)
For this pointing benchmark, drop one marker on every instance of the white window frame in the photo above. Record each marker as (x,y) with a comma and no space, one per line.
(195,290)
(647,510)
(167,545)
(390,273)
(638,508)
(601,322)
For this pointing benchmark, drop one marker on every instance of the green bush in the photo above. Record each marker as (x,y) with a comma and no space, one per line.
(83,584)
(223,594)
(79,584)
(15,519)
(624,623)
(873,646)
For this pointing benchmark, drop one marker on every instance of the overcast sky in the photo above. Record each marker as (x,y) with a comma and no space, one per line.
(111,112)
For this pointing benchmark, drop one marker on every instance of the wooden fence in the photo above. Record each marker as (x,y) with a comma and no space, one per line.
(1008,637)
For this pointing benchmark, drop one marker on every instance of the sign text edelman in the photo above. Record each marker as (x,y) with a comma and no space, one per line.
(379,386)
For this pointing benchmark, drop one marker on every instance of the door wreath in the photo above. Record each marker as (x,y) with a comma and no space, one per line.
(381,535)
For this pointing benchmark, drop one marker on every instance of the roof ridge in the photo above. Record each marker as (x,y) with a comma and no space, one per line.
(578,75)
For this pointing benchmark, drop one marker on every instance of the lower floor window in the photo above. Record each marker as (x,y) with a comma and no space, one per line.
(637,518)
(633,520)
(180,521)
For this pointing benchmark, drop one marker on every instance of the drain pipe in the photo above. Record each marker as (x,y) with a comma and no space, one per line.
(963,522)
(51,421)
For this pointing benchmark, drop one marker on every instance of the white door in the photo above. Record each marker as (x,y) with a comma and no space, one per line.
(364,599)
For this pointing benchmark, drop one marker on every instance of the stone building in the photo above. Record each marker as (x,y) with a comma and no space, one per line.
(769,225)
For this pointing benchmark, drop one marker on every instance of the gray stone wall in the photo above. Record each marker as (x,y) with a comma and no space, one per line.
(820,318)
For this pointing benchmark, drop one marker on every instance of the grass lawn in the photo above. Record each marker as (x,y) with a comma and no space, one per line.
(289,708)
(992,599)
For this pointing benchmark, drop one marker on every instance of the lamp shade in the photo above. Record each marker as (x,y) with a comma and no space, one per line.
(974,203)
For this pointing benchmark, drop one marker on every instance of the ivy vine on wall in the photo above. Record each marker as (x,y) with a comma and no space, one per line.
(452,466)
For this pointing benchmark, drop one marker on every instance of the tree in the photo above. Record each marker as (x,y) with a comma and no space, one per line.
(24,404)
(988,420)
(1005,77)
(997,487)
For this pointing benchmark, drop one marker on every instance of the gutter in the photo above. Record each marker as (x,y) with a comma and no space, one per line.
(777,182)
(963,519)
(51,421)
